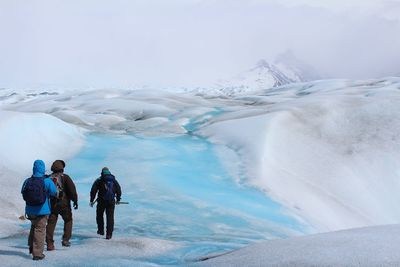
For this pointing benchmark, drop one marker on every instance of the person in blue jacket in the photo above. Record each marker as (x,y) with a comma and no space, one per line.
(36,187)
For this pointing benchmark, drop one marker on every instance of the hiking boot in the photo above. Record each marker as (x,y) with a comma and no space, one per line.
(50,247)
(38,258)
(30,250)
(108,236)
(100,232)
(66,243)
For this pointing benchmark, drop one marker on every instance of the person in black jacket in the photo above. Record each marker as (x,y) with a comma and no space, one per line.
(108,190)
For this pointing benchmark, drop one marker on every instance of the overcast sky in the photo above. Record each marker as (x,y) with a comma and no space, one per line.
(123,43)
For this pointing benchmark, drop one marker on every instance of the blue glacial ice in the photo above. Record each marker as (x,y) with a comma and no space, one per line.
(178,191)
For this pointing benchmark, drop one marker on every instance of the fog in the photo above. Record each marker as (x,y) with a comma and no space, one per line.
(122,43)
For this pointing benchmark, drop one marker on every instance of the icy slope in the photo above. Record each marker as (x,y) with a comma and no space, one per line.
(24,138)
(329,150)
(371,246)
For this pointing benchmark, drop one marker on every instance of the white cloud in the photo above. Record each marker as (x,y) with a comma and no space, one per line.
(121,43)
(338,5)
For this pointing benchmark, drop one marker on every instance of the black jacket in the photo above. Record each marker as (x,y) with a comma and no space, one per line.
(99,186)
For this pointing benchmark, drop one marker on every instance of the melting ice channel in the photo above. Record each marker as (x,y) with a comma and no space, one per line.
(179,192)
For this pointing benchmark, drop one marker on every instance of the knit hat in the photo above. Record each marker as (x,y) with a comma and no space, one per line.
(58,166)
(105,170)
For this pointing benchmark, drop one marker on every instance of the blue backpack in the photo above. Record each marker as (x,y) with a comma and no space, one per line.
(34,192)
(109,195)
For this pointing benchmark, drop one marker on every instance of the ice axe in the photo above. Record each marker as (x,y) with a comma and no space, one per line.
(121,202)
(117,203)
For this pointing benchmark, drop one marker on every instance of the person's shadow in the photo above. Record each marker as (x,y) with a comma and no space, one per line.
(14,253)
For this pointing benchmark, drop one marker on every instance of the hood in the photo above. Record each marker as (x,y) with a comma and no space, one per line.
(107,177)
(58,166)
(39,168)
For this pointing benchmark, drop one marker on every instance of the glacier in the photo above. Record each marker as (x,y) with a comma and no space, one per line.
(326,152)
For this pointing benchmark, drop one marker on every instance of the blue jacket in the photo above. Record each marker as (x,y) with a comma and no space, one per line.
(39,172)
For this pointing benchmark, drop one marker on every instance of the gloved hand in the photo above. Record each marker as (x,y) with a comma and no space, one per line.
(117,203)
(91,204)
(75,205)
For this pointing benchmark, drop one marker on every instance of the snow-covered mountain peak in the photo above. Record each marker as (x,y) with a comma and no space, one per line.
(285,69)
(262,75)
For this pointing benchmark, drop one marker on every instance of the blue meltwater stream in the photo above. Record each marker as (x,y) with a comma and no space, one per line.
(178,191)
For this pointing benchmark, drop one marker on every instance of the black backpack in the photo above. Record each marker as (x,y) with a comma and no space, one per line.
(34,192)
(109,194)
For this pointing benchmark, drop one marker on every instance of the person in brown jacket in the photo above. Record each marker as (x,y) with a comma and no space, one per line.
(61,205)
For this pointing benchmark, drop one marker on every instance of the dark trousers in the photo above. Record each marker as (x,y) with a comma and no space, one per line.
(66,215)
(108,207)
